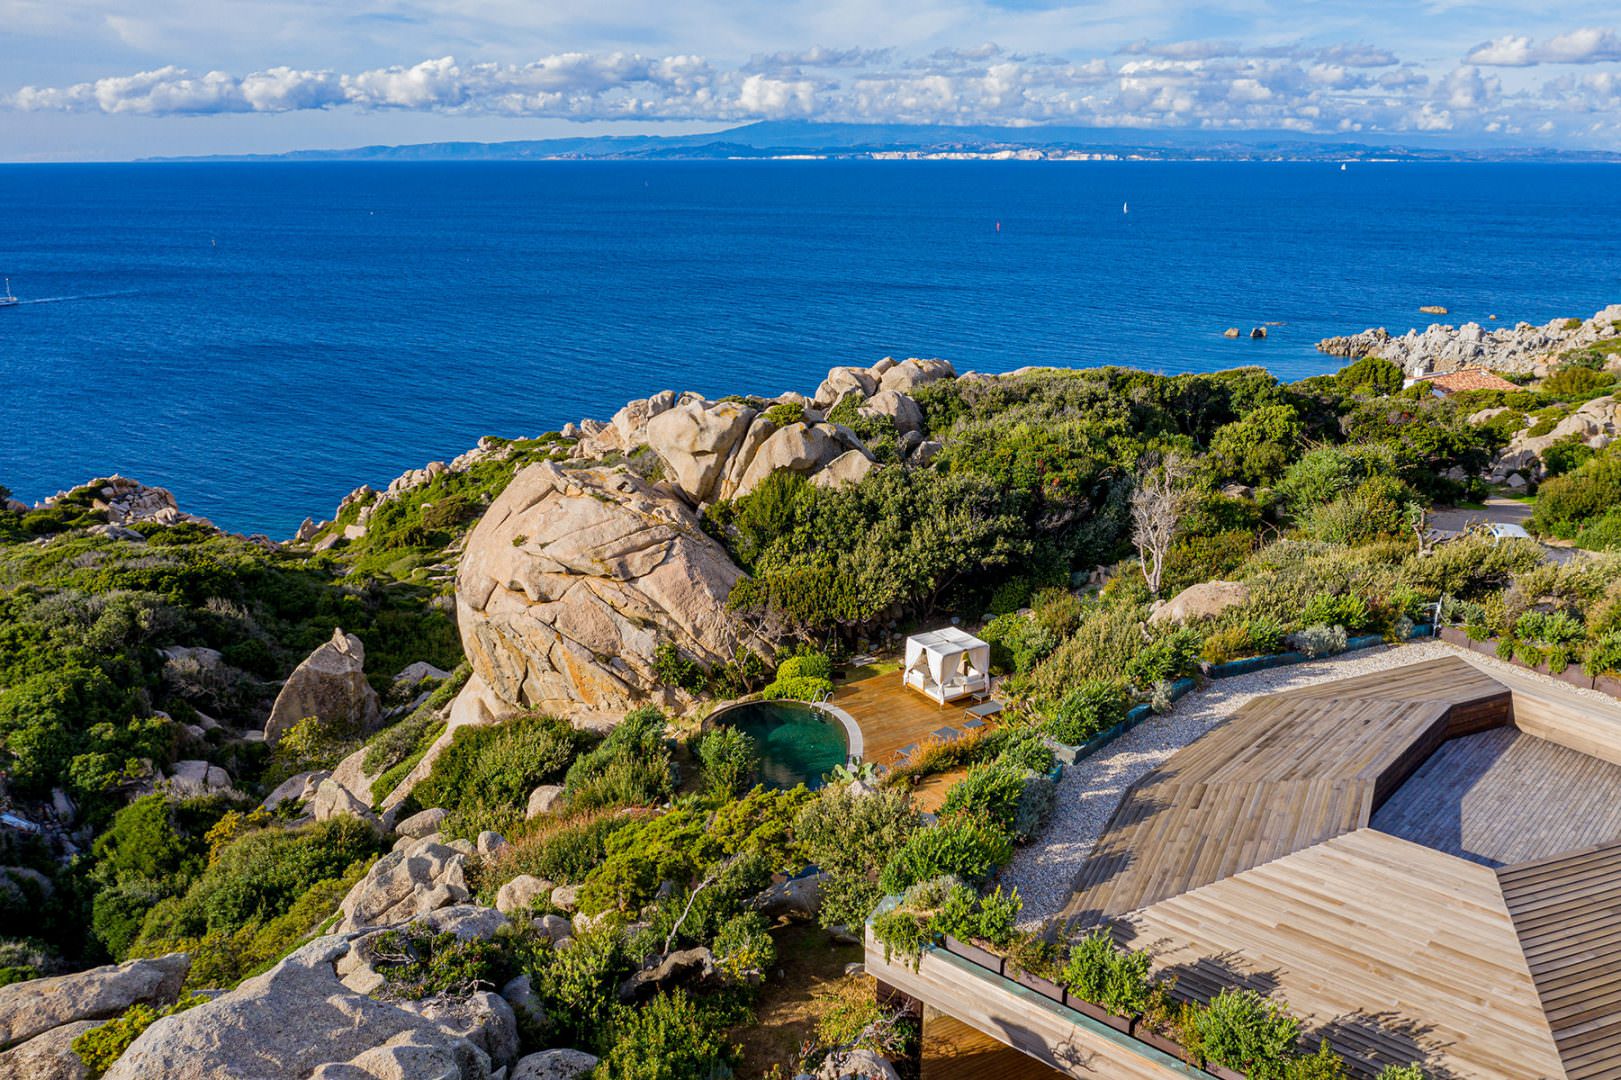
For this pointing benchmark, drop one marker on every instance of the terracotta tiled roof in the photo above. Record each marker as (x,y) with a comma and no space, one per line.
(1468,379)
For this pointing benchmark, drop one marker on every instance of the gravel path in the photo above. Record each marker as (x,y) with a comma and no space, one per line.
(1091,788)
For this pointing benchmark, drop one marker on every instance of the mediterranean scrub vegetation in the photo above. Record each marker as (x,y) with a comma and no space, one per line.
(1063,506)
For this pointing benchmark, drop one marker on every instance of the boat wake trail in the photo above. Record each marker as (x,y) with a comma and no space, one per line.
(70,299)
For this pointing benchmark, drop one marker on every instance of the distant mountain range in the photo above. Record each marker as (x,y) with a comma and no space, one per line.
(790,139)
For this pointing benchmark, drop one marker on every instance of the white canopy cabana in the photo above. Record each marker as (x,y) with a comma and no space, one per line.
(947,664)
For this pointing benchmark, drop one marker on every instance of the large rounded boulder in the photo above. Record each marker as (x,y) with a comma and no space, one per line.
(573,580)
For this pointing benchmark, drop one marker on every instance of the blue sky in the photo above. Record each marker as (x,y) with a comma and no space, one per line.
(94,79)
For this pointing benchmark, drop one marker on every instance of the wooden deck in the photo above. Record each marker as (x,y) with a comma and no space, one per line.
(1501,797)
(1248,859)
(1286,772)
(1392,951)
(954,1051)
(1567,912)
(893,718)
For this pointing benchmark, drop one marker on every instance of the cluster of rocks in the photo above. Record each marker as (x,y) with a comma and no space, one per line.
(1595,423)
(368,498)
(1521,349)
(127,505)
(575,577)
(39,1019)
(716,450)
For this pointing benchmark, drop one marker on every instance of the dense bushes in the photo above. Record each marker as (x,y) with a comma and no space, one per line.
(850,837)
(959,846)
(1566,504)
(630,767)
(485,775)
(1093,707)
(729,760)
(231,918)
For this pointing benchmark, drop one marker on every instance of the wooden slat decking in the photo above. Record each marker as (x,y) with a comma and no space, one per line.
(1286,772)
(893,717)
(1394,952)
(1245,860)
(1567,913)
(1502,797)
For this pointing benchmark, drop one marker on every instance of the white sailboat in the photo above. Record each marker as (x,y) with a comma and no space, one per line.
(8,300)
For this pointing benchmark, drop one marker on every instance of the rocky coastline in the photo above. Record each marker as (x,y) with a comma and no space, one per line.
(1522,349)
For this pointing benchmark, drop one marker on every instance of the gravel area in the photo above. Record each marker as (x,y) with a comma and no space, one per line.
(1044,871)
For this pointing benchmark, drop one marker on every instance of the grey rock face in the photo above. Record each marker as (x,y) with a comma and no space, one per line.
(554,1065)
(48,1056)
(298,1019)
(403,884)
(330,683)
(34,1007)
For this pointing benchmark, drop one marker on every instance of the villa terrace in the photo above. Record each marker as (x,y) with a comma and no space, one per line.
(1425,864)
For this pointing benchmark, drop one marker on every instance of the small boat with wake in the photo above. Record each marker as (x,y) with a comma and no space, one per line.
(8,300)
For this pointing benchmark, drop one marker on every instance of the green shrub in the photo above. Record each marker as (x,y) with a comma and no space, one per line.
(485,775)
(1575,382)
(671,668)
(1603,655)
(809,665)
(1566,455)
(1108,976)
(99,1047)
(1402,1072)
(800,688)
(1245,1031)
(850,838)
(1171,654)
(1092,708)
(1018,642)
(696,838)
(956,845)
(785,413)
(1258,448)
(579,984)
(563,850)
(1370,375)
(1564,503)
(257,878)
(1325,1064)
(967,916)
(1343,609)
(417,963)
(1026,750)
(743,947)
(631,767)
(990,792)
(1318,640)
(903,933)
(668,1038)
(1549,628)
(729,759)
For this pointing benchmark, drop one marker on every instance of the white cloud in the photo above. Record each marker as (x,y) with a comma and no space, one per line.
(1349,88)
(1590,45)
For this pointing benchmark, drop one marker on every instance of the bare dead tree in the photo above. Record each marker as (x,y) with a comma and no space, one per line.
(1156,512)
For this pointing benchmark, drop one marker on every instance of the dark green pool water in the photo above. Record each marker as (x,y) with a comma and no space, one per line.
(797,744)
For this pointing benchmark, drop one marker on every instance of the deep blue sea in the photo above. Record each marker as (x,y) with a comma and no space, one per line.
(261,338)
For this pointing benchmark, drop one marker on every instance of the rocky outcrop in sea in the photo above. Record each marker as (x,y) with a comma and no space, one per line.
(1521,349)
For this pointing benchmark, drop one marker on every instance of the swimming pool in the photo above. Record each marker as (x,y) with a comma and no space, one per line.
(798,743)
